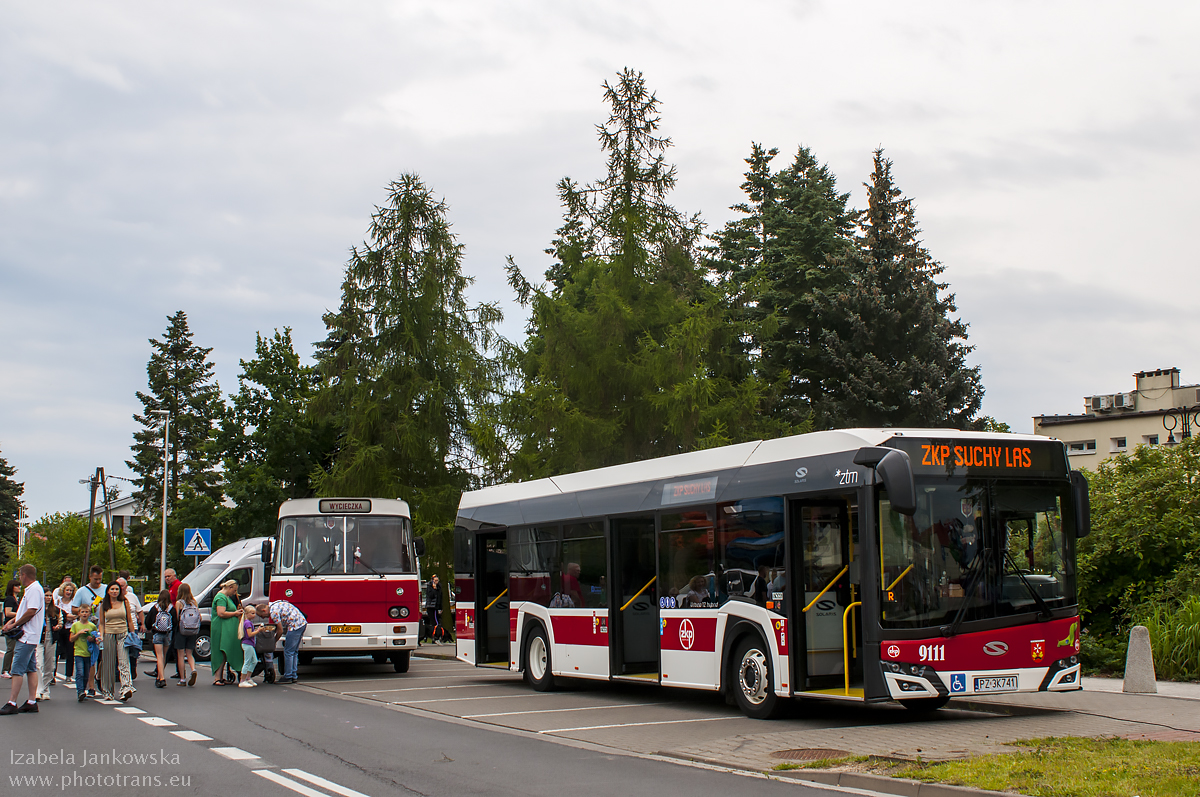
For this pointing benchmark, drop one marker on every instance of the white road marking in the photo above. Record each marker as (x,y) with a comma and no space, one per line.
(635,724)
(130,710)
(109,702)
(158,722)
(191,736)
(415,689)
(480,697)
(557,710)
(288,783)
(233,753)
(316,780)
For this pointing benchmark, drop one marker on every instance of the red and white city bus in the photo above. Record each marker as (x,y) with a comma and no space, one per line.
(862,564)
(350,565)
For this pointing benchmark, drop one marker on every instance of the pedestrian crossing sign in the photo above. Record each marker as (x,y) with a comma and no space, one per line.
(197,542)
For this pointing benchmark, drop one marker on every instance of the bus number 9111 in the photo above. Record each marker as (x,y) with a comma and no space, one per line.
(932,652)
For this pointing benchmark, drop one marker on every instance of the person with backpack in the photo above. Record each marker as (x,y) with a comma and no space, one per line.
(161,621)
(187,631)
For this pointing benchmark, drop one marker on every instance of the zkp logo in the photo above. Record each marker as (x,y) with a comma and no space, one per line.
(687,634)
(894,651)
(995,648)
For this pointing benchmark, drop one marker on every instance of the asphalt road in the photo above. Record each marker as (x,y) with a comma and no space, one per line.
(316,738)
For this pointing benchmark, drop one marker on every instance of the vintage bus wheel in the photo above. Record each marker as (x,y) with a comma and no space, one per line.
(400,661)
(537,661)
(926,703)
(753,684)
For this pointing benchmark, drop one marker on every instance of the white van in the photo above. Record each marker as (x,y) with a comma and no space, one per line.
(242,561)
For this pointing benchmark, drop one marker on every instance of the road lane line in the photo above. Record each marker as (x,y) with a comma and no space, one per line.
(316,780)
(635,724)
(480,697)
(288,783)
(234,753)
(557,710)
(130,710)
(415,689)
(191,736)
(157,722)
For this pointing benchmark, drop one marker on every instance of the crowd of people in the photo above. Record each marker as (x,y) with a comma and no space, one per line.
(98,629)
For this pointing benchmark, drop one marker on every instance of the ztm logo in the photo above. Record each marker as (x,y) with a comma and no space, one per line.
(893,651)
(687,634)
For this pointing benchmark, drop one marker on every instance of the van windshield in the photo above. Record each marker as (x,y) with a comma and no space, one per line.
(203,577)
(340,544)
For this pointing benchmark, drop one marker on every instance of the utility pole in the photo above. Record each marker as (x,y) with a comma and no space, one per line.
(162,568)
(94,482)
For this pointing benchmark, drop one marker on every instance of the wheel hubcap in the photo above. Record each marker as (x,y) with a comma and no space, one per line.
(537,658)
(754,676)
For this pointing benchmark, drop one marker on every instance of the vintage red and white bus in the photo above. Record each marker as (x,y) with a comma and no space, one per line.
(350,565)
(861,564)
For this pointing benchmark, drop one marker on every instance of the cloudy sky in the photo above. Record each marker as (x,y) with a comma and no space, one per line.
(222,157)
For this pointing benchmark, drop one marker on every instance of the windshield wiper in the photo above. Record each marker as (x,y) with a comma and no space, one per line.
(1045,609)
(364,564)
(968,590)
(317,569)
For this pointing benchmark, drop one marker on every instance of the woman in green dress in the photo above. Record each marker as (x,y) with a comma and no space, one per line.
(225,646)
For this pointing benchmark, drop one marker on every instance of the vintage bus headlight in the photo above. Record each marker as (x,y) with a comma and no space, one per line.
(398,612)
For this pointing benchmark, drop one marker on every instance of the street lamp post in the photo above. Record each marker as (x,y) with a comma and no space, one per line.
(1182,419)
(162,570)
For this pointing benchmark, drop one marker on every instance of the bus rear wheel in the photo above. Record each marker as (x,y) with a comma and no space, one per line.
(753,681)
(925,703)
(537,661)
(400,661)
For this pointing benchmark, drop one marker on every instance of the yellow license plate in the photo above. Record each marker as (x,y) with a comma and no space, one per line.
(345,629)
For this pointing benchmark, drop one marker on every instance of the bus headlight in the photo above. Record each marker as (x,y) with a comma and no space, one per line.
(398,612)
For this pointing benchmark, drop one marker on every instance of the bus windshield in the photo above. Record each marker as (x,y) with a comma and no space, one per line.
(975,550)
(341,544)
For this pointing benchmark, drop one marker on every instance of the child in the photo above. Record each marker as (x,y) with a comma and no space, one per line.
(82,632)
(248,631)
(264,643)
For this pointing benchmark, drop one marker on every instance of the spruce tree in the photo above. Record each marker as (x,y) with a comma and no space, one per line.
(773,257)
(629,352)
(181,381)
(10,503)
(406,376)
(891,353)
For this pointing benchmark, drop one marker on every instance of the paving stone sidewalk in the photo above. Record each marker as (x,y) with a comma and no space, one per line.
(974,727)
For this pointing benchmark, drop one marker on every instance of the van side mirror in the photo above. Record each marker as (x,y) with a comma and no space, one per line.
(895,471)
(419,546)
(267,557)
(1083,504)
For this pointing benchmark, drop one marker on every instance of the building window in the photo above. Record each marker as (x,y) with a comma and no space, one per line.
(1082,447)
(1118,444)
(1150,439)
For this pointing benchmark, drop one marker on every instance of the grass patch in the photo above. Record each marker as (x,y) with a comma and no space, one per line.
(1076,767)
(820,763)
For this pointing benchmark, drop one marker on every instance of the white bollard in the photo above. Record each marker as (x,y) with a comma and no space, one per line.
(1139,663)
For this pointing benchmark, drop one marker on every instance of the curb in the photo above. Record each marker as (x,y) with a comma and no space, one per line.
(423,654)
(901,787)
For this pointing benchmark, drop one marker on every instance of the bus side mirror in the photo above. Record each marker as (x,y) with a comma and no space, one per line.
(267,558)
(894,469)
(419,546)
(1083,504)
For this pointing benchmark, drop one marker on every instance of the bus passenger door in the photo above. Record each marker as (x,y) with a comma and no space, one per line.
(825,553)
(491,598)
(633,602)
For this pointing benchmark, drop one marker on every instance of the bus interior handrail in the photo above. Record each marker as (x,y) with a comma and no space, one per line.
(639,592)
(832,581)
(498,597)
(902,575)
(846,643)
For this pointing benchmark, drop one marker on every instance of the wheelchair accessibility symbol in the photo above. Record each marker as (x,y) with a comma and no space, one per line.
(958,682)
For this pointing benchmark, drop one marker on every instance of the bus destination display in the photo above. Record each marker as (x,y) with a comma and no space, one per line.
(984,457)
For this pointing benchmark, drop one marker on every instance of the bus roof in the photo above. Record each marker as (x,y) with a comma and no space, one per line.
(312,506)
(537,497)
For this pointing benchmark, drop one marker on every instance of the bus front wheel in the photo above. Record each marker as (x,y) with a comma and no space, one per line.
(537,661)
(753,681)
(400,661)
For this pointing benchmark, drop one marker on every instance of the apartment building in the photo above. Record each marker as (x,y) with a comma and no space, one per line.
(1158,411)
